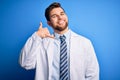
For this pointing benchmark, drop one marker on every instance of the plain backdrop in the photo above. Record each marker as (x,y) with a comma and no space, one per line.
(98,20)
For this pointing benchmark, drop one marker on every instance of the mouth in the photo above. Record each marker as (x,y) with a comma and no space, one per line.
(61,22)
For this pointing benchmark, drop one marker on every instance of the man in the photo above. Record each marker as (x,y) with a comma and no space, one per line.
(64,55)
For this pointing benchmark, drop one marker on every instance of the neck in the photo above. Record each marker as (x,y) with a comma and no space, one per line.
(61,32)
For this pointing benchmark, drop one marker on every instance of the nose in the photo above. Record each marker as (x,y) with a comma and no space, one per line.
(59,17)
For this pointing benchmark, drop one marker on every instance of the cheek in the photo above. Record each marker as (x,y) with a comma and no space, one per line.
(66,18)
(53,21)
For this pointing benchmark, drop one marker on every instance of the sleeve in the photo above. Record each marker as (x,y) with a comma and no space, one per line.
(92,69)
(29,52)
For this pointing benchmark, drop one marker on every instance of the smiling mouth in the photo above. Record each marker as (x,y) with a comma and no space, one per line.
(61,22)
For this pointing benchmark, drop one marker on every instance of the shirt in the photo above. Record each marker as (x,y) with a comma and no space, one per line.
(56,55)
(39,54)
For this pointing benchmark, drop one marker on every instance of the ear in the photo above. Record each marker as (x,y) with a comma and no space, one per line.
(49,23)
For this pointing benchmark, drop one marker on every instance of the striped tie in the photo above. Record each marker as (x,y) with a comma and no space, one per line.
(63,59)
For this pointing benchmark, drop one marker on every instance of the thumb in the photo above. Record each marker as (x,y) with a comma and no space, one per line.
(40,25)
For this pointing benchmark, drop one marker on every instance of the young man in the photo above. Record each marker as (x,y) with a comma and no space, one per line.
(63,56)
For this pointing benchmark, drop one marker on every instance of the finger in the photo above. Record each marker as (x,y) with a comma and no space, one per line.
(50,36)
(40,27)
(43,36)
(46,30)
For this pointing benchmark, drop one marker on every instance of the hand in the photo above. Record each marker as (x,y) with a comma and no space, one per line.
(44,32)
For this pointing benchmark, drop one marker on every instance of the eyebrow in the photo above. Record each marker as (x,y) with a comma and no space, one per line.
(55,14)
(63,12)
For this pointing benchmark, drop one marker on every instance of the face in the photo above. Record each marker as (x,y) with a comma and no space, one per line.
(58,19)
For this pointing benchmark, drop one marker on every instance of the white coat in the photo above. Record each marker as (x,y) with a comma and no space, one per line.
(38,53)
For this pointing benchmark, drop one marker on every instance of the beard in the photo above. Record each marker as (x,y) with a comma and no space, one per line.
(61,28)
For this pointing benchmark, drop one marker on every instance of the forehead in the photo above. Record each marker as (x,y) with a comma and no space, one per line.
(56,11)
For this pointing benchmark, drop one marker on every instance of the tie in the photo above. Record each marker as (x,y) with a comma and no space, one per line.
(63,59)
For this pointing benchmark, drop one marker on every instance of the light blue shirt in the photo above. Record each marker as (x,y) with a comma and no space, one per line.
(56,55)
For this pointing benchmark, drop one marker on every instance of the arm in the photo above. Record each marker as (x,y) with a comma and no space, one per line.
(92,69)
(33,47)
(30,50)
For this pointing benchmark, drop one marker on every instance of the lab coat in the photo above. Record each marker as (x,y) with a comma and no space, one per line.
(38,53)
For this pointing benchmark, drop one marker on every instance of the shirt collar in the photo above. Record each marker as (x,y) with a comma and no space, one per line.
(66,34)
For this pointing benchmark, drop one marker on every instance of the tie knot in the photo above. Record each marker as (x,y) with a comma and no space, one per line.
(62,38)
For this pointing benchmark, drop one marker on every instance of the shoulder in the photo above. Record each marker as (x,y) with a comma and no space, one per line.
(80,40)
(79,37)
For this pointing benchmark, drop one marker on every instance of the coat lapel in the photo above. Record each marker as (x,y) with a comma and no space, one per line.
(77,57)
(50,53)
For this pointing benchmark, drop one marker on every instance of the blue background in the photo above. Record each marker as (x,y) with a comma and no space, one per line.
(98,20)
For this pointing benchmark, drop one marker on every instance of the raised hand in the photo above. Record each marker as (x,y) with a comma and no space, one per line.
(44,32)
